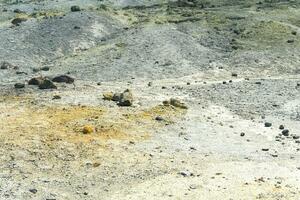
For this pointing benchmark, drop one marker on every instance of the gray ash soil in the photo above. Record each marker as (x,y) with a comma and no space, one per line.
(234,64)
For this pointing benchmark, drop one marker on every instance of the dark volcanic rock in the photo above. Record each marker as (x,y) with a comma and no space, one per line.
(19,85)
(268,124)
(63,79)
(47,84)
(159,118)
(18,21)
(5,65)
(33,191)
(285,132)
(75,9)
(55,97)
(116,97)
(281,127)
(36,81)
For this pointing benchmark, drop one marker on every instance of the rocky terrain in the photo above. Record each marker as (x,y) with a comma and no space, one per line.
(149,99)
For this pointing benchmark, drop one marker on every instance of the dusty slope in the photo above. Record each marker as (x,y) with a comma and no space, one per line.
(235,64)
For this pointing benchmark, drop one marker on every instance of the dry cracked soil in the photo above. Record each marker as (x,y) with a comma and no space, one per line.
(212,110)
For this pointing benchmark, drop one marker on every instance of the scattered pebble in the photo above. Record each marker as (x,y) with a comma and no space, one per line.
(108,96)
(47,84)
(33,191)
(159,118)
(126,98)
(18,21)
(63,79)
(296,137)
(285,132)
(186,173)
(36,81)
(281,127)
(75,8)
(19,85)
(6,65)
(88,129)
(55,97)
(175,102)
(268,124)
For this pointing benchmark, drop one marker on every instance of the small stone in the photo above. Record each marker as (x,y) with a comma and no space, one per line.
(296,137)
(234,74)
(33,191)
(159,118)
(193,187)
(36,81)
(242,134)
(281,127)
(75,8)
(96,164)
(108,96)
(63,79)
(285,132)
(150,84)
(166,103)
(87,129)
(47,84)
(268,124)
(20,73)
(19,85)
(45,68)
(177,103)
(116,97)
(265,149)
(55,97)
(186,173)
(6,65)
(126,98)
(290,41)
(18,21)
(294,32)
(18,11)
